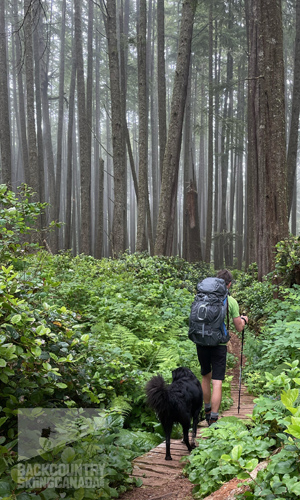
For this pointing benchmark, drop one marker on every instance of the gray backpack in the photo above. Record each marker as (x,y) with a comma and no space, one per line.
(208,311)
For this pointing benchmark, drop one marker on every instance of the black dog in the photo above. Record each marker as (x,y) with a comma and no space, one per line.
(177,402)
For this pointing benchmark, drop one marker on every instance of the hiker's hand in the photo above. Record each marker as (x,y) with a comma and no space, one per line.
(245,319)
(240,322)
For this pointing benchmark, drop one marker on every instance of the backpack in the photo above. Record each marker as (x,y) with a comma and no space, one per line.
(208,311)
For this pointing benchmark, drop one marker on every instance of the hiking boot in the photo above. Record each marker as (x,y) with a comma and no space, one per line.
(207,416)
(212,421)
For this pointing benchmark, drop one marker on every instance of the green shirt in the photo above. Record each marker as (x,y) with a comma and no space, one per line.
(233,307)
(233,310)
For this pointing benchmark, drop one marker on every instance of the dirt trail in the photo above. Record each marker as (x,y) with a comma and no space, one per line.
(163,480)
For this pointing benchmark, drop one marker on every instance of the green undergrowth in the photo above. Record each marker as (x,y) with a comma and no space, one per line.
(85,334)
(272,373)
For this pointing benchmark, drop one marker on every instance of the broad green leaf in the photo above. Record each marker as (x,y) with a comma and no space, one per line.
(236,452)
(68,455)
(3,420)
(36,351)
(294,430)
(283,467)
(251,464)
(296,489)
(85,337)
(243,475)
(4,489)
(2,363)
(16,319)
(61,385)
(15,475)
(289,397)
(79,494)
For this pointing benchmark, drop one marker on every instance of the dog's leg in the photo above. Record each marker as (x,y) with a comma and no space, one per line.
(168,431)
(185,428)
(195,423)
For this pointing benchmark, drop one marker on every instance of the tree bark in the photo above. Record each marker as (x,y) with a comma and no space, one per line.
(295,109)
(5,139)
(173,146)
(60,127)
(141,240)
(209,213)
(33,179)
(161,82)
(119,215)
(85,163)
(23,127)
(267,168)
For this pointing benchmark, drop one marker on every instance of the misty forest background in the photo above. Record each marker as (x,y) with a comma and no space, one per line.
(170,127)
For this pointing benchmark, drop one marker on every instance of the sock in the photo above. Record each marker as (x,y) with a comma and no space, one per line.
(214,416)
(207,407)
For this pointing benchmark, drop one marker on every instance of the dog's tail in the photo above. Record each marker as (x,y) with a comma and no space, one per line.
(157,394)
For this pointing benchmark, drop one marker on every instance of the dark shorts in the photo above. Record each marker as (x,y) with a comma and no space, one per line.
(213,359)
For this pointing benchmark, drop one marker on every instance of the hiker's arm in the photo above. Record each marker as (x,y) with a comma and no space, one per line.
(239,322)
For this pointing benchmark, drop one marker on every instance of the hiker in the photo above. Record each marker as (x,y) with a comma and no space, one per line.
(213,358)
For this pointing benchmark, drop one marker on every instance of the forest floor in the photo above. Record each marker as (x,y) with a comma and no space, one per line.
(171,484)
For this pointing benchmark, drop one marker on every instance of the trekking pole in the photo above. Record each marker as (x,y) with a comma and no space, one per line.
(241,366)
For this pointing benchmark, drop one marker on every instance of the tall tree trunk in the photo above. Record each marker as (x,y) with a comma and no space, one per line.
(295,109)
(240,180)
(217,262)
(209,216)
(60,127)
(47,132)
(173,146)
(191,228)
(161,82)
(123,86)
(267,171)
(154,138)
(39,118)
(119,216)
(70,169)
(5,140)
(85,164)
(23,126)
(33,180)
(89,108)
(141,241)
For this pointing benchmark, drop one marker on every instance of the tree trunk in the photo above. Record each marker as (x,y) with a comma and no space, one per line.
(209,213)
(33,180)
(60,127)
(173,146)
(70,168)
(5,140)
(161,82)
(141,241)
(39,119)
(119,223)
(85,163)
(267,171)
(295,109)
(23,127)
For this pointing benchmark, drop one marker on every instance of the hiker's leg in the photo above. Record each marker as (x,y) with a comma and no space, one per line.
(218,375)
(216,397)
(206,387)
(204,358)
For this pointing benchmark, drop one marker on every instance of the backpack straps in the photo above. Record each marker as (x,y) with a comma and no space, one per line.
(227,316)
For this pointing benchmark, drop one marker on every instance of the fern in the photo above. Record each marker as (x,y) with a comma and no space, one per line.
(138,441)
(167,357)
(120,404)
